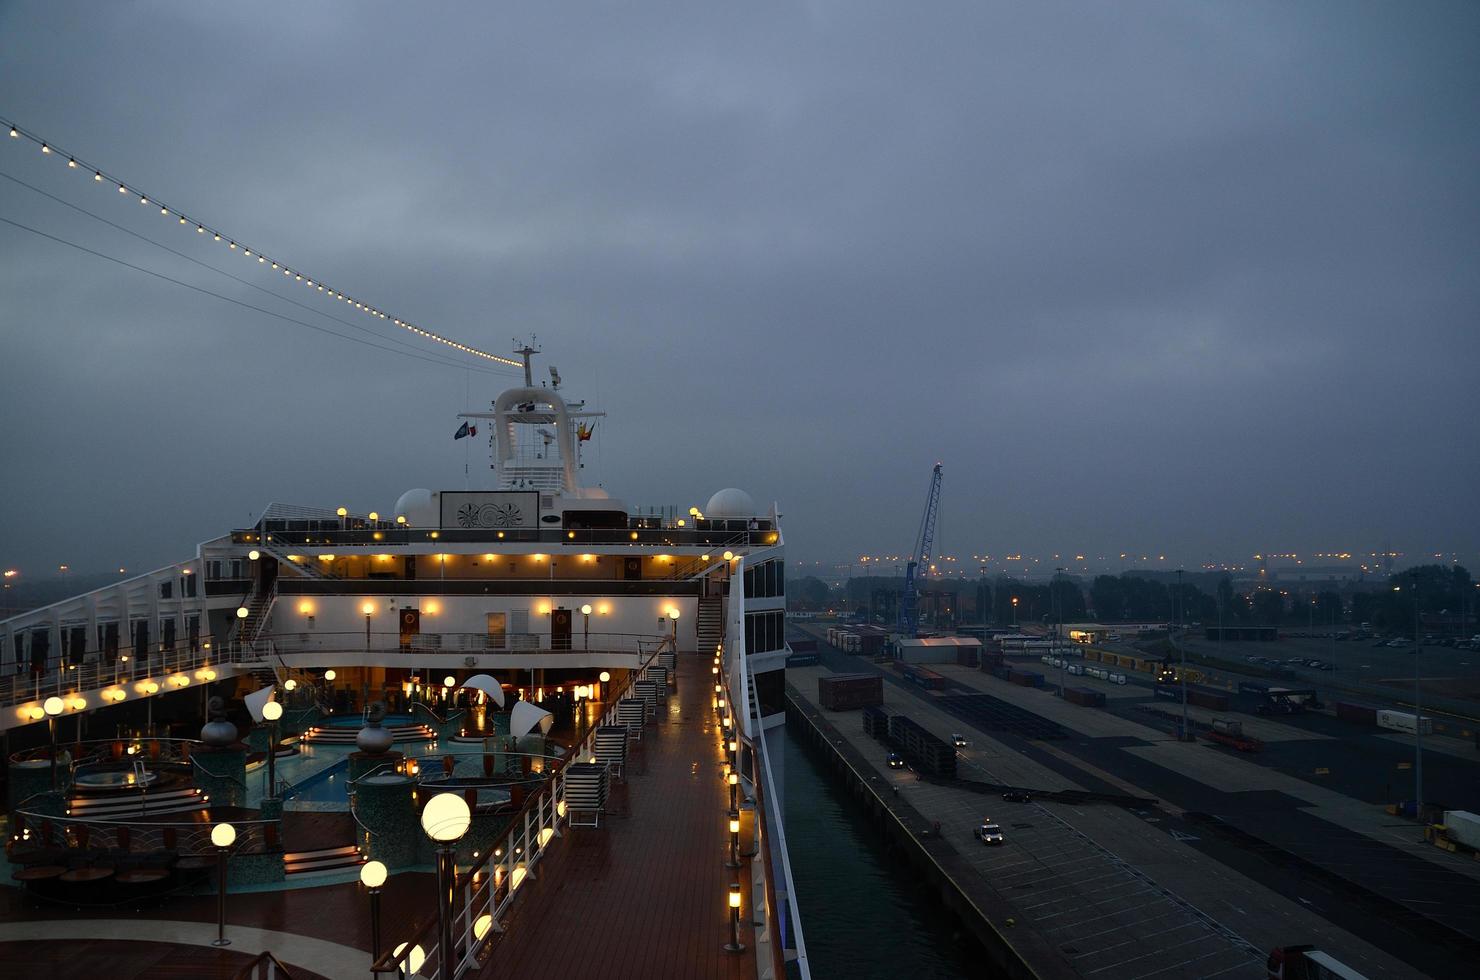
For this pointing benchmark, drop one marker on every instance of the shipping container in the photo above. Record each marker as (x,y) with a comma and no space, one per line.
(923,676)
(1364,714)
(1203,697)
(876,723)
(1085,697)
(1228,726)
(1464,827)
(1402,721)
(967,656)
(843,692)
(1027,678)
(925,751)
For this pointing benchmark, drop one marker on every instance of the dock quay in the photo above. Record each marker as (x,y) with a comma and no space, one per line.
(1098,875)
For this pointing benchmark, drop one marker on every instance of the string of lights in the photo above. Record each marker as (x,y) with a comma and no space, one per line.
(226,299)
(294,274)
(409,348)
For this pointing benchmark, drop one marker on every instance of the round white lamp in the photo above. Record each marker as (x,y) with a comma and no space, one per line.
(272,711)
(241,612)
(223,835)
(329,674)
(605,676)
(446,818)
(372,874)
(54,706)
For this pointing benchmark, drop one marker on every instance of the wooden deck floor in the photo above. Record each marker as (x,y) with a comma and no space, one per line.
(643,896)
(118,960)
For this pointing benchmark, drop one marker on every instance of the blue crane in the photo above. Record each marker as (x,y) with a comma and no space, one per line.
(909,614)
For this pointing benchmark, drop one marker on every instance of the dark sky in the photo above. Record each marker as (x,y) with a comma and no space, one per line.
(1181,277)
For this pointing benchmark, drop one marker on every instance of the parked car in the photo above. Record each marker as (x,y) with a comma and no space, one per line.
(895,761)
(1017,796)
(989,833)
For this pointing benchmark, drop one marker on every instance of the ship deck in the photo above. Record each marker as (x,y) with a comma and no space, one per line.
(644,895)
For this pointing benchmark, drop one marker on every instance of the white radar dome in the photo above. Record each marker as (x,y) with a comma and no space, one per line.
(421,508)
(729,504)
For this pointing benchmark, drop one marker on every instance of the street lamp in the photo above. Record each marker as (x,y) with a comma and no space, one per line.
(586,626)
(223,835)
(53,706)
(1014,611)
(271,712)
(445,820)
(372,876)
(1182,649)
(1417,707)
(734,945)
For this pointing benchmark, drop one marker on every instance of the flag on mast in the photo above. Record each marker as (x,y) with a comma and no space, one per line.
(463,430)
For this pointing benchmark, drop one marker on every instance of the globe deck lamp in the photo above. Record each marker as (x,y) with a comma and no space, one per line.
(446,818)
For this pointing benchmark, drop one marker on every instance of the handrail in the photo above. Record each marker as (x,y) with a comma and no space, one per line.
(184,658)
(779,832)
(191,837)
(195,764)
(290,643)
(98,748)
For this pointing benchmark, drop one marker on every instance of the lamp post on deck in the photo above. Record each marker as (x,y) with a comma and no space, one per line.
(53,706)
(586,626)
(444,820)
(372,876)
(223,835)
(271,712)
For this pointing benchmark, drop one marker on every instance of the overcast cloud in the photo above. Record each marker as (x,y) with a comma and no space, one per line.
(1190,277)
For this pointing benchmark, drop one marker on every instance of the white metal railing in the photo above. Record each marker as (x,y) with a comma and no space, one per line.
(162,666)
(297,643)
(775,830)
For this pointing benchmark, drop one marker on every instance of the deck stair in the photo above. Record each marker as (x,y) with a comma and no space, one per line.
(259,607)
(324,859)
(115,804)
(711,624)
(334,735)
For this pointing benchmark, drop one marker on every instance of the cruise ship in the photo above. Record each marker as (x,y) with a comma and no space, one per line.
(519,730)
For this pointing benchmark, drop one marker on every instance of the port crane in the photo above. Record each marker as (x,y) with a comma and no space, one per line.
(909,602)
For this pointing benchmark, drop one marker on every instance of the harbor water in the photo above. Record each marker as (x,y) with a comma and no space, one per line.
(862,915)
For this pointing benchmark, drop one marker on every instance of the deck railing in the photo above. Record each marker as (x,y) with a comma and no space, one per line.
(580,643)
(484,893)
(170,667)
(185,838)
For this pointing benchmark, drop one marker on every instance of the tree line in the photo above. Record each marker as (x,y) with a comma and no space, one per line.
(1445,595)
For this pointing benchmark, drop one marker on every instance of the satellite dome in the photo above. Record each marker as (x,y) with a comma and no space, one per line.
(729,504)
(421,508)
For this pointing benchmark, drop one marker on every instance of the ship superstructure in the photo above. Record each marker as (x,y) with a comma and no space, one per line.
(545,584)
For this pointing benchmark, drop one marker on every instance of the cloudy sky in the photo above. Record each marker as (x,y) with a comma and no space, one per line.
(1189,277)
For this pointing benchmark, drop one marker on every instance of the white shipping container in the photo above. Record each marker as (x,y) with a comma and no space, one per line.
(1464,827)
(1402,721)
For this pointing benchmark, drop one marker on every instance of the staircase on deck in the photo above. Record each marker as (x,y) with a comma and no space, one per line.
(711,624)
